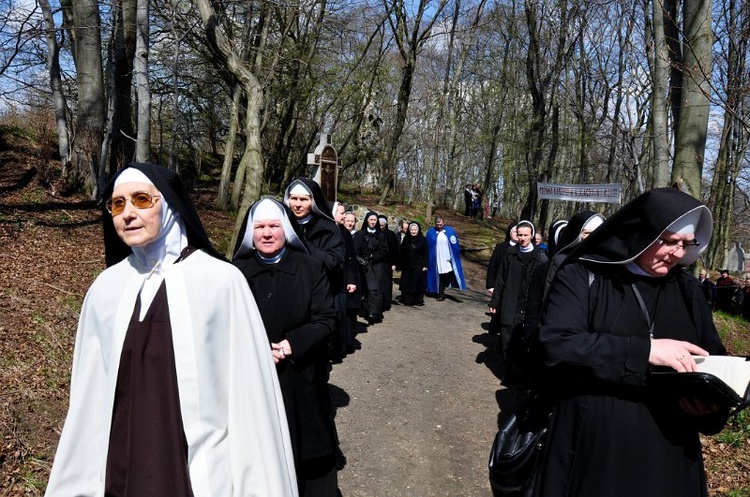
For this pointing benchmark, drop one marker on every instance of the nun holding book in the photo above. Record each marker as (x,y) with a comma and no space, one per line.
(622,305)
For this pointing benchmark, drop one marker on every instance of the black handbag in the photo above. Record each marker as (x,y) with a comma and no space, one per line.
(516,455)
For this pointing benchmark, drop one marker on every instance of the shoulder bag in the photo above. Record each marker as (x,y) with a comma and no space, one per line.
(516,454)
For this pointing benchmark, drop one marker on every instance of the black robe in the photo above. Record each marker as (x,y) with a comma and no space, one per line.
(496,260)
(392,243)
(413,258)
(324,240)
(372,252)
(610,434)
(352,271)
(295,302)
(512,282)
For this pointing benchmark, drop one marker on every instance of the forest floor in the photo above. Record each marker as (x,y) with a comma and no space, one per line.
(417,405)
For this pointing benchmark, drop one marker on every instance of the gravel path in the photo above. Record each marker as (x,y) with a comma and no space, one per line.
(417,406)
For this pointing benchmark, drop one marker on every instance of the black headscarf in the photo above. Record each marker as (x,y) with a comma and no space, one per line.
(554,233)
(638,224)
(364,222)
(510,227)
(419,234)
(571,234)
(170,186)
(319,202)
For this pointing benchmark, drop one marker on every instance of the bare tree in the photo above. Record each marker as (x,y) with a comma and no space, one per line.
(546,59)
(56,84)
(89,114)
(229,57)
(409,40)
(143,92)
(658,58)
(692,74)
(735,133)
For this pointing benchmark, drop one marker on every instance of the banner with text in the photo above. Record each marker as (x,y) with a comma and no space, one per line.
(607,192)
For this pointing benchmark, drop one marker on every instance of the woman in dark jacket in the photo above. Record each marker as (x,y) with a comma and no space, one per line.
(349,299)
(413,262)
(293,296)
(621,305)
(372,252)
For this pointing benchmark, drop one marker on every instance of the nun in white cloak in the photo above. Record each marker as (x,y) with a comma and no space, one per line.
(173,389)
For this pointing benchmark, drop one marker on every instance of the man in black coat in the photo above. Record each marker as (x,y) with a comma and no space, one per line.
(707,287)
(372,253)
(512,284)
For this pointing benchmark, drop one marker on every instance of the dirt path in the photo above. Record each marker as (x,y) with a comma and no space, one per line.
(418,404)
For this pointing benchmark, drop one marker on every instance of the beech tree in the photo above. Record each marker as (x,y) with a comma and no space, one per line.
(88,126)
(734,41)
(691,57)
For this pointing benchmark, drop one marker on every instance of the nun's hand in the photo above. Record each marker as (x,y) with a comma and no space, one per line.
(280,350)
(676,354)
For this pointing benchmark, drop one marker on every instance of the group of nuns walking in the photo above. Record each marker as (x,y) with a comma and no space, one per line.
(194,376)
(613,304)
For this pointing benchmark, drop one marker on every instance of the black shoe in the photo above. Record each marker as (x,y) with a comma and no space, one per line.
(440,298)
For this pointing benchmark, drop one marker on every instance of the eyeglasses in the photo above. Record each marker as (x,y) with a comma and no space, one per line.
(674,245)
(140,200)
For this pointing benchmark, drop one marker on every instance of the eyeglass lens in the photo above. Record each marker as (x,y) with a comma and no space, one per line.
(675,245)
(140,200)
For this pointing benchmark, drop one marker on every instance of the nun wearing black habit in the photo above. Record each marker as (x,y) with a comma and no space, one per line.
(319,230)
(294,299)
(413,264)
(621,304)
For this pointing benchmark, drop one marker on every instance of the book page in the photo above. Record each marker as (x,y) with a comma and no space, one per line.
(734,371)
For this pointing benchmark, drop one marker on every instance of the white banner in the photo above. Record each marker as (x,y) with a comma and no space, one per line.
(607,192)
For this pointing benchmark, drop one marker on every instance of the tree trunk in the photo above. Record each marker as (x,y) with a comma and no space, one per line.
(228,57)
(226,170)
(89,122)
(733,143)
(659,61)
(692,126)
(437,136)
(122,51)
(58,99)
(252,162)
(143,92)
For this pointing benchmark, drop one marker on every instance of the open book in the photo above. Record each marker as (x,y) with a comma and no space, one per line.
(719,379)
